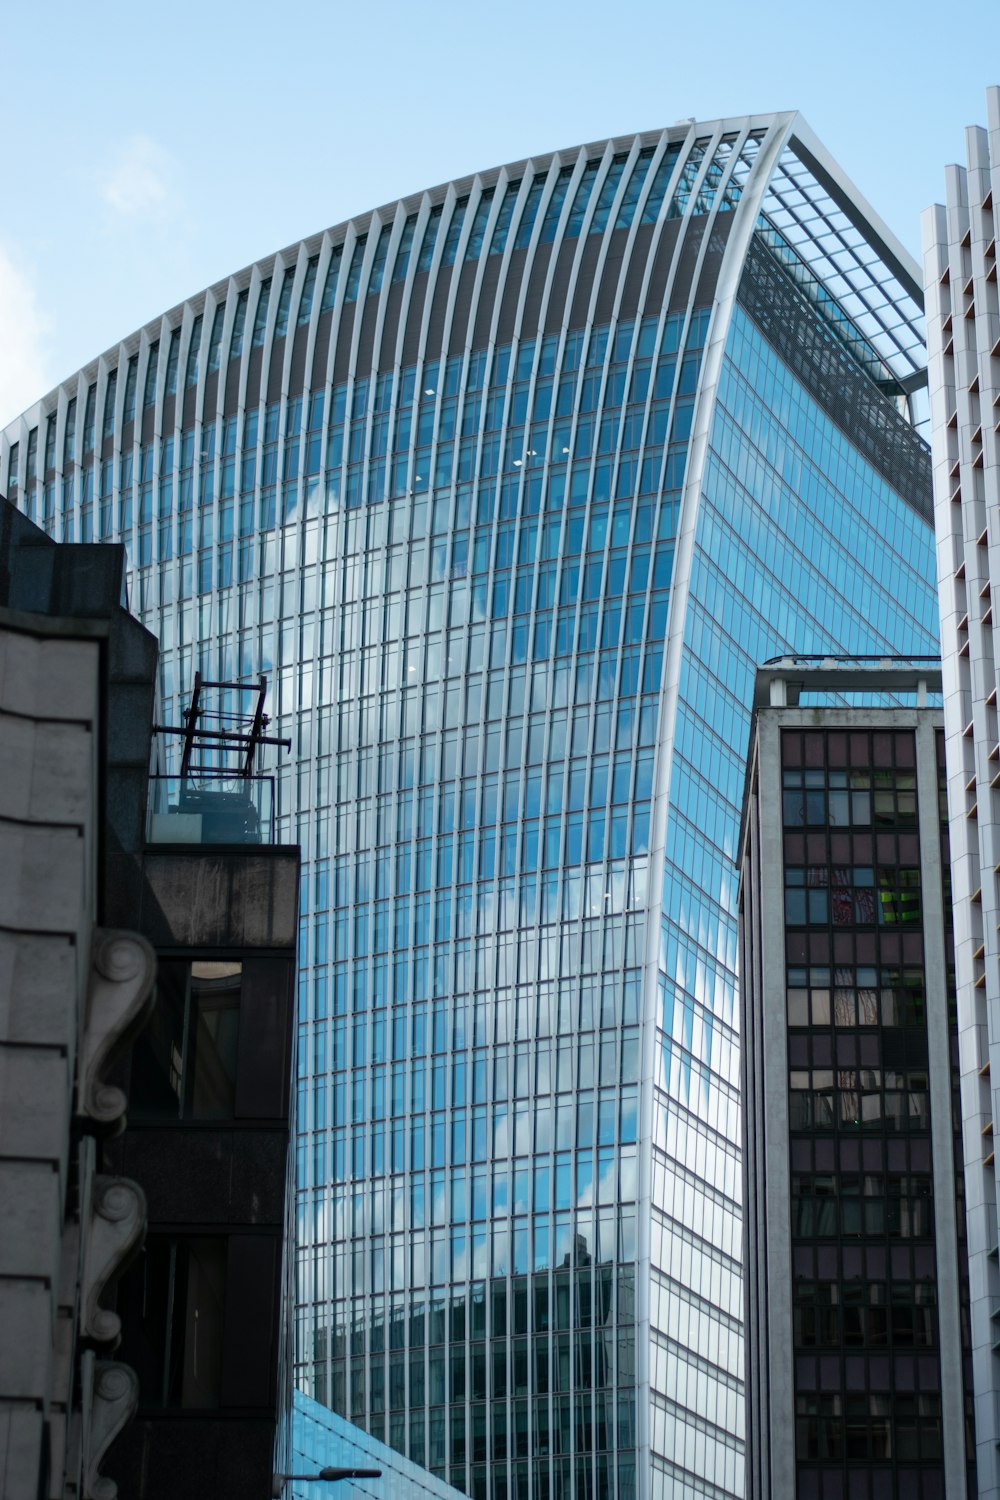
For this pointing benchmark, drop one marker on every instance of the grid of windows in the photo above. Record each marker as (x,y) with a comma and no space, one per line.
(457,572)
(865,1331)
(789,554)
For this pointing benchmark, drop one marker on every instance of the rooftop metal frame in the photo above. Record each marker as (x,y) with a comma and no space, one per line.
(236,737)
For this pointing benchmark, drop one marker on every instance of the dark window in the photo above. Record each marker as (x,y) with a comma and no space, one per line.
(173,1313)
(475,243)
(656,193)
(429,239)
(528,212)
(260,316)
(378,263)
(172,356)
(581,199)
(635,185)
(69,435)
(88,420)
(284,302)
(109,404)
(152,364)
(354,274)
(215,341)
(500,229)
(239,324)
(403,249)
(308,287)
(194,350)
(184,1062)
(332,276)
(131,375)
(607,196)
(454,232)
(551,221)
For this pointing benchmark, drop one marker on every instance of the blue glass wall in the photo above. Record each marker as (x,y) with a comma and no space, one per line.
(469,1082)
(801,546)
(321,1439)
(435,473)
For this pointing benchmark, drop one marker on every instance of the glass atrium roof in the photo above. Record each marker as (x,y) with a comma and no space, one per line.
(838,267)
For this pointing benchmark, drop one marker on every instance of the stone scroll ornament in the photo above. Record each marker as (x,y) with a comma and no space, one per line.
(111,1397)
(119,999)
(115,1226)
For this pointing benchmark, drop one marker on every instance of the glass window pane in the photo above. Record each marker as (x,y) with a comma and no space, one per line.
(214,1033)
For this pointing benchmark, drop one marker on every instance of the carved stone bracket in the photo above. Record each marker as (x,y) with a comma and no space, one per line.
(109,1403)
(119,999)
(113,1231)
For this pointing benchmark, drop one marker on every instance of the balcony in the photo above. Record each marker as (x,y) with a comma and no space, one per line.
(211,810)
(218,795)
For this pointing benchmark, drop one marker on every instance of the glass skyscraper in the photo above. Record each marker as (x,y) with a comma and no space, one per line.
(508,487)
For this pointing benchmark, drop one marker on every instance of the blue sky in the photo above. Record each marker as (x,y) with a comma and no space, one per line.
(152,150)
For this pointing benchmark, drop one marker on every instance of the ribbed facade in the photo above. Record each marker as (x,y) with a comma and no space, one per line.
(960,273)
(509,486)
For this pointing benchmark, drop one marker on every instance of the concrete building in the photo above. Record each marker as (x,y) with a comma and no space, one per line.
(859,1376)
(204,1307)
(963,331)
(73,988)
(162,1241)
(508,486)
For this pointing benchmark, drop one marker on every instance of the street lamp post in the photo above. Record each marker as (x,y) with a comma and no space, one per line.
(328,1476)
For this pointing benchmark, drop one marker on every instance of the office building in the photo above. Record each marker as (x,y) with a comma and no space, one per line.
(141,1255)
(859,1371)
(963,331)
(510,485)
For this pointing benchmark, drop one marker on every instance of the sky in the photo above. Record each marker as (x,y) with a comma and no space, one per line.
(149,151)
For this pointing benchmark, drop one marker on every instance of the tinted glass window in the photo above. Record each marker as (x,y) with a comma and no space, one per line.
(184,1063)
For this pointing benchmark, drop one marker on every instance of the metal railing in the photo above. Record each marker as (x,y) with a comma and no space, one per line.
(211,808)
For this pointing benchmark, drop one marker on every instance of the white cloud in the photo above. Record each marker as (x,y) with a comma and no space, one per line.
(138,183)
(23,331)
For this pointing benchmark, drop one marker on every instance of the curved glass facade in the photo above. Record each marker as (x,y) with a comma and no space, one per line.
(508,487)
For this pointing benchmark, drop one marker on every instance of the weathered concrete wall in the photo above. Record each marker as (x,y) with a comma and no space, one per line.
(49,731)
(225,899)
